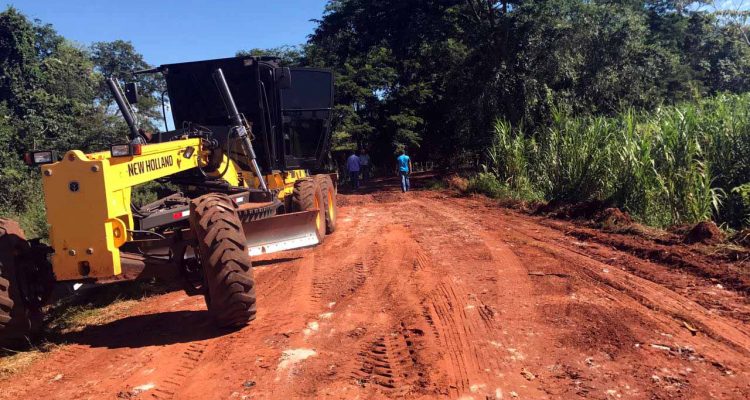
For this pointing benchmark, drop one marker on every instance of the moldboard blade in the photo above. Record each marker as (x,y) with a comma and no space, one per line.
(281,232)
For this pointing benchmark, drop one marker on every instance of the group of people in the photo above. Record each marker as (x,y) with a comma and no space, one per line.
(357,164)
(360,164)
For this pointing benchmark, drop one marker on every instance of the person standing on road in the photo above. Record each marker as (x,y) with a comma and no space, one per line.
(353,165)
(404,170)
(364,163)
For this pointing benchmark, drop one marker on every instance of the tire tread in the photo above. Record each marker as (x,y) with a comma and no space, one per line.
(228,272)
(326,184)
(18,322)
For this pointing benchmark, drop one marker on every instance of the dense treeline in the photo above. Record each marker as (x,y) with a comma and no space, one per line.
(53,96)
(436,74)
(566,81)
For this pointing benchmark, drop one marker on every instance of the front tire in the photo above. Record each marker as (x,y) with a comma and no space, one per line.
(228,274)
(308,196)
(18,321)
(329,201)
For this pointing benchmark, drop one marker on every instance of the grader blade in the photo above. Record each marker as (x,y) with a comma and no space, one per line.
(282,232)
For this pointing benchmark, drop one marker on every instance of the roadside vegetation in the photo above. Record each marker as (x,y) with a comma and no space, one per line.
(675,165)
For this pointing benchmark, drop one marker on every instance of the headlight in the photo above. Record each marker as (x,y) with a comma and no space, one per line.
(125,150)
(40,157)
(188,152)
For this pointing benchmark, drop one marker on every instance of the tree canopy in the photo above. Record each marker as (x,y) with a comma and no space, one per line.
(52,96)
(434,75)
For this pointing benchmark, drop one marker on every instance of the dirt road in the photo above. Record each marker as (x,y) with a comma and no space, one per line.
(427,295)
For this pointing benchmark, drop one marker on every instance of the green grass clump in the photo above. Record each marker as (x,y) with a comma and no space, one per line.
(435,184)
(678,164)
(487,184)
(100,304)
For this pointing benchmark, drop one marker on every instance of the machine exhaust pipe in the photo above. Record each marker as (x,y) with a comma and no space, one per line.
(124,107)
(239,125)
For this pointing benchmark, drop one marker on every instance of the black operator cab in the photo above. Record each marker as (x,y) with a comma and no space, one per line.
(306,109)
(289,108)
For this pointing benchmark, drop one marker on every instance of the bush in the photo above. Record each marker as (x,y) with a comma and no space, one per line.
(486,183)
(742,194)
(676,165)
(22,199)
(457,183)
(33,219)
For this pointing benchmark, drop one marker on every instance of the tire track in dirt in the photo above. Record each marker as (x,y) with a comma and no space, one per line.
(391,362)
(380,344)
(388,354)
(612,309)
(442,306)
(335,278)
(651,295)
(427,298)
(482,354)
(162,380)
(290,320)
(114,352)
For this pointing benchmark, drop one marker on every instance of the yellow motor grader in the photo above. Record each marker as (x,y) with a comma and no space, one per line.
(250,133)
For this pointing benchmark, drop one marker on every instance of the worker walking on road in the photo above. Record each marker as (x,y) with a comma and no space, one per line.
(364,163)
(404,170)
(353,165)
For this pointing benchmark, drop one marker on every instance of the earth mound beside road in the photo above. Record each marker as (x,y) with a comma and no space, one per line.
(705,232)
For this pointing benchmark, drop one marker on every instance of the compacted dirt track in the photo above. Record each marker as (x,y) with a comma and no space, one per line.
(427,295)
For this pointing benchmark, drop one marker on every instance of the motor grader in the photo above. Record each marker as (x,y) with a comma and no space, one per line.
(248,134)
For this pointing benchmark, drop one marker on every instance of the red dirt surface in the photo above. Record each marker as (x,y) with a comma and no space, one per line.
(705,232)
(429,295)
(613,217)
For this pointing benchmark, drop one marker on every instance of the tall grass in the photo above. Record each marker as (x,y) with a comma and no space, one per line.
(678,164)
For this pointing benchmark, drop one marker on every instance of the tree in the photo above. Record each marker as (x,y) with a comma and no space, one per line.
(388,71)
(434,75)
(18,61)
(119,59)
(51,98)
(289,55)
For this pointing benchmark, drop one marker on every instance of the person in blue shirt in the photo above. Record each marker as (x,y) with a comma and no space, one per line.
(404,170)
(353,165)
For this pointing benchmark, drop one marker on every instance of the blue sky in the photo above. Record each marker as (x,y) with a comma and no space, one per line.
(167,31)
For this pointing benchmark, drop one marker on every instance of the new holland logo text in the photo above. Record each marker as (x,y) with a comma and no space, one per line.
(139,167)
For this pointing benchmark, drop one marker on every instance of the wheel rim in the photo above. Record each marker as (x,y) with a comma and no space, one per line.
(331,208)
(316,203)
(191,268)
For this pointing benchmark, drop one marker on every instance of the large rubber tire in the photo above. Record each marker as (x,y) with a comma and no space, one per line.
(228,274)
(308,196)
(18,321)
(329,201)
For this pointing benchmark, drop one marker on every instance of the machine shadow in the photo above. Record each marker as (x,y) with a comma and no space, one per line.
(157,329)
(274,261)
